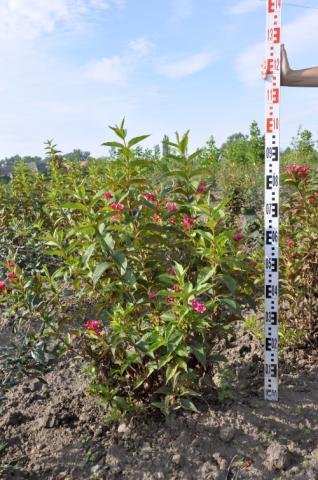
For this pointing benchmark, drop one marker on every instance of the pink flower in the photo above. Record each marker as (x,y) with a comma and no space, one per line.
(187,222)
(299,170)
(2,286)
(201,188)
(117,216)
(156,219)
(290,242)
(171,207)
(152,294)
(238,236)
(12,275)
(171,270)
(93,326)
(117,206)
(175,288)
(150,197)
(171,300)
(197,306)
(108,195)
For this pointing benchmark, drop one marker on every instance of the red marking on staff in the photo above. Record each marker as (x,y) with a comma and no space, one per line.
(270,65)
(275,95)
(276,35)
(271,124)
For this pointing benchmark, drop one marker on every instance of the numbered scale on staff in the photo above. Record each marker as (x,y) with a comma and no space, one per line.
(272,157)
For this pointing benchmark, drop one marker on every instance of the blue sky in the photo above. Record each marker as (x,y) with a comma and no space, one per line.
(70,68)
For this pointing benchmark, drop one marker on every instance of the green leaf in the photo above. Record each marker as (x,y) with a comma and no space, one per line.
(113,145)
(230,282)
(110,242)
(98,272)
(136,140)
(198,351)
(171,372)
(188,405)
(232,304)
(164,360)
(204,275)
(57,253)
(89,252)
(120,132)
(74,206)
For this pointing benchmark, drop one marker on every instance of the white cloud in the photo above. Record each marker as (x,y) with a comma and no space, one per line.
(108,69)
(186,66)
(300,37)
(141,46)
(31,18)
(245,6)
(182,9)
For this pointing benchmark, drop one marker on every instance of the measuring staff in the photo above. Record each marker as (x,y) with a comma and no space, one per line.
(277,72)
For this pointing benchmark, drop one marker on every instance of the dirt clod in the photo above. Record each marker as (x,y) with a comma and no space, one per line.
(277,457)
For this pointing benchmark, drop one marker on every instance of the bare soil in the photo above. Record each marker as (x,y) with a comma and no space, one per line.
(50,430)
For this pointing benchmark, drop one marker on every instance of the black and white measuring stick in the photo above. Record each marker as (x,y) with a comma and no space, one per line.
(272,157)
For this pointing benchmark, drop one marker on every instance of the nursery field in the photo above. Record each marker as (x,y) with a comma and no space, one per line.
(131,327)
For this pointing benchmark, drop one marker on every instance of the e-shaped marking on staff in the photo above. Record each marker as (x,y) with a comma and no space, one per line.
(306,77)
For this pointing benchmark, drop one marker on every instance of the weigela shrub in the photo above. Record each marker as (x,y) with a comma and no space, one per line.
(144,247)
(299,251)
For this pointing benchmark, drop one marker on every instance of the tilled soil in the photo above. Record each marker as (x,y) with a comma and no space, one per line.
(52,431)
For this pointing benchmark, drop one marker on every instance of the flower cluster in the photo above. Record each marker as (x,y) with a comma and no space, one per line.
(201,188)
(108,195)
(238,236)
(187,222)
(297,170)
(93,326)
(197,306)
(150,197)
(152,294)
(117,206)
(171,207)
(12,275)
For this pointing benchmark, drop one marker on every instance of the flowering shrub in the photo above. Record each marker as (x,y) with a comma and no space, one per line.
(299,251)
(164,272)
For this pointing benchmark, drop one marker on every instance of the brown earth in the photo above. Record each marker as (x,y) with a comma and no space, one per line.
(49,429)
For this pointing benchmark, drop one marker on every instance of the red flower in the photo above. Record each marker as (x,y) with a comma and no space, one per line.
(156,219)
(187,222)
(2,286)
(152,294)
(201,188)
(172,220)
(238,236)
(150,197)
(290,242)
(171,207)
(93,326)
(12,275)
(108,195)
(175,288)
(117,206)
(171,270)
(197,306)
(297,170)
